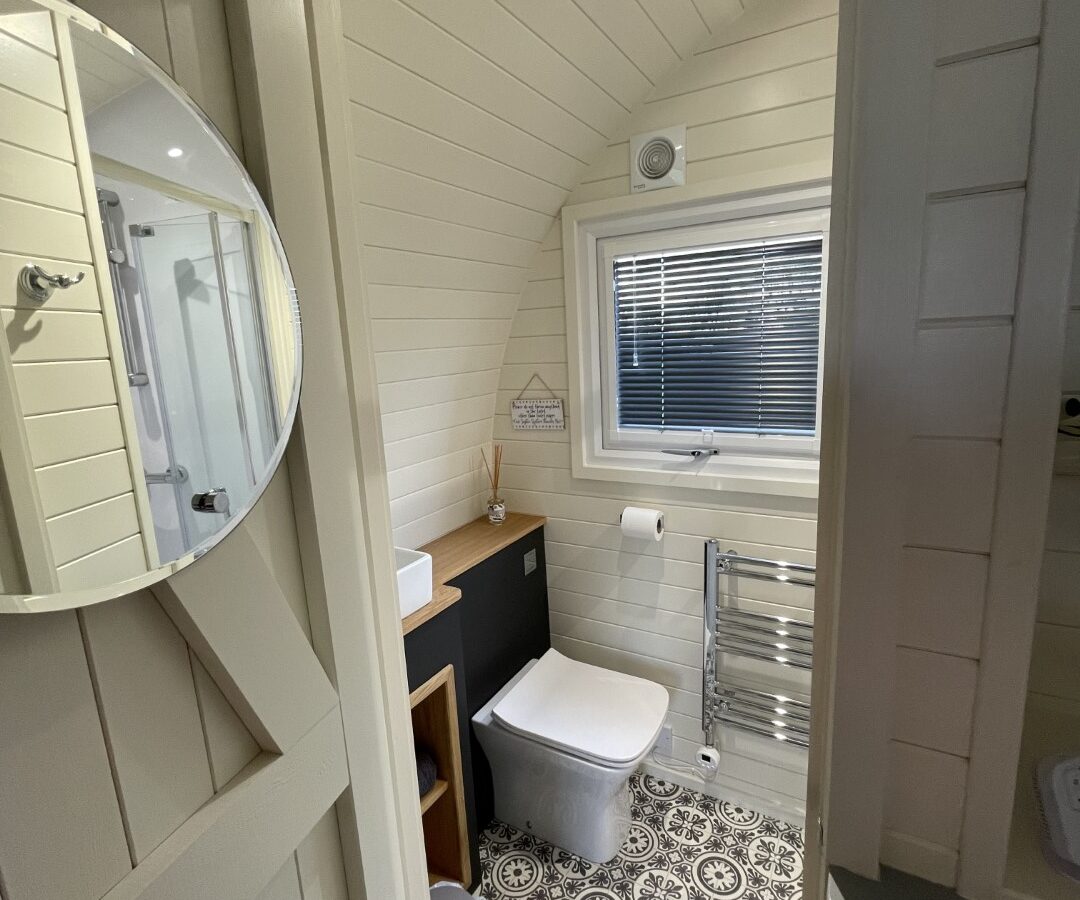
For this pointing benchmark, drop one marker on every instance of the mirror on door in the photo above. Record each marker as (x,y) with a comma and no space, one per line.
(150,366)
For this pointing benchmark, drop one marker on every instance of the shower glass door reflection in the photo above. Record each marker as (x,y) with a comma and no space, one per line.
(209,368)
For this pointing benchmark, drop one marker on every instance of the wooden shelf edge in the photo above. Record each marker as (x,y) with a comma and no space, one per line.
(471,544)
(428,800)
(441,597)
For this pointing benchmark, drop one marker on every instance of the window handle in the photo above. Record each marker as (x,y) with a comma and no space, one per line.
(694,453)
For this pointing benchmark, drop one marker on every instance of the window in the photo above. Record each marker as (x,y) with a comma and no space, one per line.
(699,344)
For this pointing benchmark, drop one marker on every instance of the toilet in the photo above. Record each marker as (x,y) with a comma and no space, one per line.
(563,738)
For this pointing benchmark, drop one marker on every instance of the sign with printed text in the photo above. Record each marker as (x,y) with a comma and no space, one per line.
(537,415)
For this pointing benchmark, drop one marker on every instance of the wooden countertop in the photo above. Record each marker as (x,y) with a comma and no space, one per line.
(462,549)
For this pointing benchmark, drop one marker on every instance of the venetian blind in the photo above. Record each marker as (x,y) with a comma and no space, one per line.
(722,338)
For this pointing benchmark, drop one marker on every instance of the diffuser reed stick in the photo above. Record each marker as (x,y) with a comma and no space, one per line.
(496,508)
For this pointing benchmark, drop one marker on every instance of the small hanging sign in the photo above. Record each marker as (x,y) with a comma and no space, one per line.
(537,414)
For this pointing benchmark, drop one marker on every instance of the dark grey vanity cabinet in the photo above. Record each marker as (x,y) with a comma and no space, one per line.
(498,625)
(504,624)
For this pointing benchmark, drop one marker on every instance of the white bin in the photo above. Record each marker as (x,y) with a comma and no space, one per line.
(447,890)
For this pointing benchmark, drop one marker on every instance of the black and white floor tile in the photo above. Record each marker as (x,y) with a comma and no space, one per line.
(682,846)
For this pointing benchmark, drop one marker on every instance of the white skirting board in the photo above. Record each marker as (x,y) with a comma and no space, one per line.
(756,797)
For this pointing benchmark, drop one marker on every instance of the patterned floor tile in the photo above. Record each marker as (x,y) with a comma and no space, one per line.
(682,846)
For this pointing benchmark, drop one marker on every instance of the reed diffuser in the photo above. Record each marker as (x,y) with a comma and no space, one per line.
(496,508)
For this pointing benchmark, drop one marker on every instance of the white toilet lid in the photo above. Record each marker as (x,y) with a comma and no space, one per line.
(587,711)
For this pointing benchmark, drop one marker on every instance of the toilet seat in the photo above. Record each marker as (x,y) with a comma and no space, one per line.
(602,716)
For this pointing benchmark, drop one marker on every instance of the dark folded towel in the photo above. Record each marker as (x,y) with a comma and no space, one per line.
(426,772)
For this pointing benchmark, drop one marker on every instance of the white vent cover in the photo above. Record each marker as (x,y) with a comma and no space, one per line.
(658,159)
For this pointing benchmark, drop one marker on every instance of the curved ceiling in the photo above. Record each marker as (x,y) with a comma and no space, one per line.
(471,122)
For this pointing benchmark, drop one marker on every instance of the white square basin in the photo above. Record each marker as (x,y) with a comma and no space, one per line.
(413,579)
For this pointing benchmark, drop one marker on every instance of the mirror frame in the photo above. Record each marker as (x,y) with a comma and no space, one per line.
(64,600)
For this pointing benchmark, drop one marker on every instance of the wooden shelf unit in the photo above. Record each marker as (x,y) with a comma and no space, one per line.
(435,727)
(428,800)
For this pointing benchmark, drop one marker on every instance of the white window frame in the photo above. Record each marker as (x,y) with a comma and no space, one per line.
(765,464)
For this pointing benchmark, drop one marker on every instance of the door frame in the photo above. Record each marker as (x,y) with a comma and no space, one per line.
(836,367)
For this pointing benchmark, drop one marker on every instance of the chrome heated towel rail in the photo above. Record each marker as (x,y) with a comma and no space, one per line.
(751,635)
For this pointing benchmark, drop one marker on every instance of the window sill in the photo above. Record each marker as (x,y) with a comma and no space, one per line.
(770,476)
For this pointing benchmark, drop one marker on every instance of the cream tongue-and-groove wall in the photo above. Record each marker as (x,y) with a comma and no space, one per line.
(757,99)
(471,123)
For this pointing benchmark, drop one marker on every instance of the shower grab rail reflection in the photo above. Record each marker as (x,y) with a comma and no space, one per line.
(756,636)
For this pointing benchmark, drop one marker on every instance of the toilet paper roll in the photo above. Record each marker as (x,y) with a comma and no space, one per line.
(644,524)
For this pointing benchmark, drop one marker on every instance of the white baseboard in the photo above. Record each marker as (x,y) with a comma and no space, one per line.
(924,859)
(755,797)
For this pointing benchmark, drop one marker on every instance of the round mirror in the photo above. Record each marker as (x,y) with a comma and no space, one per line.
(150,364)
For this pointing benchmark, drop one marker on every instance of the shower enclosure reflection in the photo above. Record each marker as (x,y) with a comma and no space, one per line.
(200,363)
(150,350)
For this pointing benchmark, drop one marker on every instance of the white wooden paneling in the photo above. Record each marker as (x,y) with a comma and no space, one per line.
(1062,523)
(229,745)
(30,71)
(1053,661)
(256,824)
(517,50)
(452,158)
(951,494)
(966,26)
(784,87)
(960,376)
(319,862)
(972,254)
(396,396)
(942,595)
(150,716)
(56,335)
(404,231)
(81,532)
(981,121)
(413,42)
(271,678)
(32,230)
(285,885)
(271,526)
(935,694)
(55,387)
(386,186)
(28,175)
(766,16)
(635,34)
(114,563)
(925,796)
(60,437)
(1058,596)
(404,302)
(566,28)
(34,28)
(41,128)
(62,835)
(79,483)
(438,111)
(788,46)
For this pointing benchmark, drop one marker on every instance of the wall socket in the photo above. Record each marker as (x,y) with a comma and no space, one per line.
(664,744)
